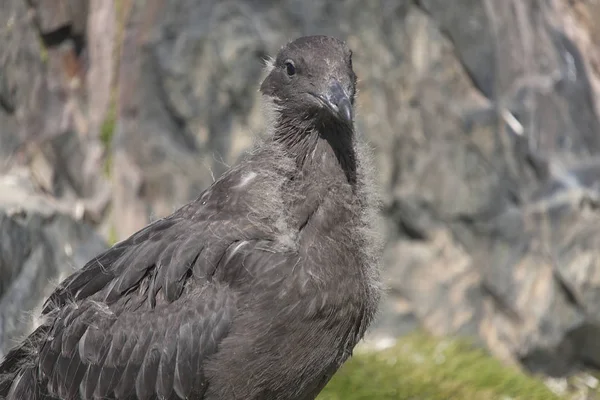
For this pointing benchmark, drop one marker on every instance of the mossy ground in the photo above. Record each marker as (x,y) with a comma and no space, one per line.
(424,368)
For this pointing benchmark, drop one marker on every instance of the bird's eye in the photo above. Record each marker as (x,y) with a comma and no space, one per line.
(290,68)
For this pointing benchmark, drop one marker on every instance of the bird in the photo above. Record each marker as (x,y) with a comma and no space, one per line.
(260,288)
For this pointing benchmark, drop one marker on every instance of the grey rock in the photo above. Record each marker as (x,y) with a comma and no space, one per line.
(494,192)
(47,121)
(39,246)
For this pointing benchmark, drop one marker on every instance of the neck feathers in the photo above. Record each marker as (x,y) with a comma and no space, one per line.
(318,143)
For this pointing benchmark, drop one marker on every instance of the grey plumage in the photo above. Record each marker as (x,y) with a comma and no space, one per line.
(259,289)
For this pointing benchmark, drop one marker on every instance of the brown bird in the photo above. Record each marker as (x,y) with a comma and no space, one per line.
(258,289)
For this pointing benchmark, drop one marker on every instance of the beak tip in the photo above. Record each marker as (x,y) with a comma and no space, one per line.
(340,102)
(345,111)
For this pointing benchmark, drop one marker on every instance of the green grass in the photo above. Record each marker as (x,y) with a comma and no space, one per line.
(112,235)
(421,367)
(107,131)
(43,50)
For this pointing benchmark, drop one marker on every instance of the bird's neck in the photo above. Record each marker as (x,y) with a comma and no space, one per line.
(319,146)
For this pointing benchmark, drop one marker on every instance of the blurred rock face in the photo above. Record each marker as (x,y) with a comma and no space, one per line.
(40,245)
(482,113)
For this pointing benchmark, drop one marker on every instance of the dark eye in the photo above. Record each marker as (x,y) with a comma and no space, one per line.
(290,68)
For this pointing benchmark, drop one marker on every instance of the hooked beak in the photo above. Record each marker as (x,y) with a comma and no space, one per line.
(337,101)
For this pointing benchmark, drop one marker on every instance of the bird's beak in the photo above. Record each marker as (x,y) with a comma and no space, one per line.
(337,101)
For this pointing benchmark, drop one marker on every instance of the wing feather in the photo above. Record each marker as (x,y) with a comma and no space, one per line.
(90,380)
(141,319)
(74,374)
(166,368)
(145,384)
(183,362)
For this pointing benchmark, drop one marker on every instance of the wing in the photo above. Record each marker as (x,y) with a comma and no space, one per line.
(169,251)
(140,319)
(166,254)
(132,350)
(95,351)
(143,317)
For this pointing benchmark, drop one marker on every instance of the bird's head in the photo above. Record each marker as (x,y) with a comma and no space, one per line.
(313,76)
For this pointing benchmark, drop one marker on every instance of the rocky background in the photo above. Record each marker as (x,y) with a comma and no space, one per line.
(483,115)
